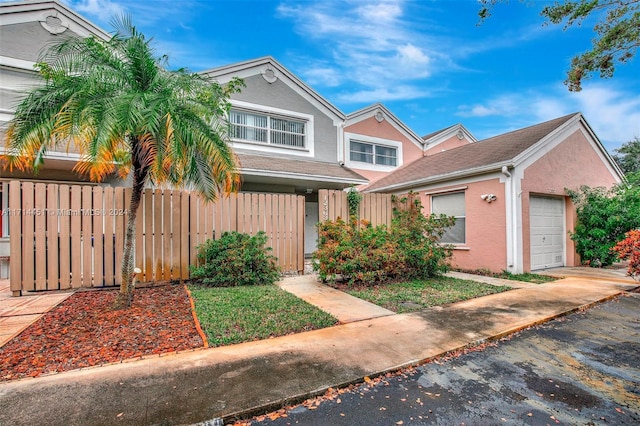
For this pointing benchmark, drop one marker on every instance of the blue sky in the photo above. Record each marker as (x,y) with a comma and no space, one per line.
(427,61)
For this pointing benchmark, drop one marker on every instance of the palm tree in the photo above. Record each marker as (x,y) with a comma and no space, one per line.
(119,106)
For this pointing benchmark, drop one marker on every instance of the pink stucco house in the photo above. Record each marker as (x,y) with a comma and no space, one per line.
(377,143)
(508,193)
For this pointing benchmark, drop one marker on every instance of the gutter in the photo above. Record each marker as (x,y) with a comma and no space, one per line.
(496,167)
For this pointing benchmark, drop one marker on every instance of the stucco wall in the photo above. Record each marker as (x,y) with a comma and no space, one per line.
(26,40)
(279,95)
(486,238)
(384,130)
(571,164)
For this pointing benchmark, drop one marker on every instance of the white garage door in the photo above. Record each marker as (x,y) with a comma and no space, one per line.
(547,232)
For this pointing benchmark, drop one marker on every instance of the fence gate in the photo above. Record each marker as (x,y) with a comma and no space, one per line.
(375,208)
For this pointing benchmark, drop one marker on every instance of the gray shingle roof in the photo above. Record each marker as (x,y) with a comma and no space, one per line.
(498,149)
(298,167)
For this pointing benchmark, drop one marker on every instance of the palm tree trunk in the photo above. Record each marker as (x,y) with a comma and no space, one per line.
(125,297)
(140,174)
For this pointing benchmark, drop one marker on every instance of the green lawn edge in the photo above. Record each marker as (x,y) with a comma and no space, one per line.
(411,296)
(230,315)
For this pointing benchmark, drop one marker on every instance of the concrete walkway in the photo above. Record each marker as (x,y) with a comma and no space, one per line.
(344,307)
(18,313)
(257,376)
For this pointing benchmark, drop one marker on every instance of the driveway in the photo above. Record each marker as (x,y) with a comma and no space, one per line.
(580,369)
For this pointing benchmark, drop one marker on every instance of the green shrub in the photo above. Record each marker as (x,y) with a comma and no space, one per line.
(234,260)
(604,216)
(418,237)
(361,253)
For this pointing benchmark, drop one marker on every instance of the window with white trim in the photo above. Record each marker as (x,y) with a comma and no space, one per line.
(451,205)
(371,153)
(267,129)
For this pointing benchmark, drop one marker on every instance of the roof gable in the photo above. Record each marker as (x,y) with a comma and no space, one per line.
(53,15)
(479,157)
(29,26)
(271,70)
(380,112)
(435,138)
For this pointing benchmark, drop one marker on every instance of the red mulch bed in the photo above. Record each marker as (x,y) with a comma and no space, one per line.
(83,331)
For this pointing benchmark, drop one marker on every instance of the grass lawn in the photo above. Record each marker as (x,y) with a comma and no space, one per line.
(419,294)
(241,314)
(526,277)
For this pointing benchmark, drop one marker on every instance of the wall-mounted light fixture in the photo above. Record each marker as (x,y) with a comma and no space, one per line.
(488,197)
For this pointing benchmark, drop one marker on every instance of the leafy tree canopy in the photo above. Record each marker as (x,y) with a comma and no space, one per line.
(617,33)
(628,156)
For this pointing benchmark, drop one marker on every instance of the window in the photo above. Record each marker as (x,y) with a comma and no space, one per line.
(267,129)
(451,205)
(373,154)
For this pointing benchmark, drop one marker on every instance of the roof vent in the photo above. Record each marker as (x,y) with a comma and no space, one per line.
(460,135)
(53,24)
(269,74)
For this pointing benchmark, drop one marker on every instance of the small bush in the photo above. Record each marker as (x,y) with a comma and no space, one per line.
(235,260)
(364,254)
(629,249)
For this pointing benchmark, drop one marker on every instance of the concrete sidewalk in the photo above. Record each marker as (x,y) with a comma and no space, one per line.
(247,378)
(18,313)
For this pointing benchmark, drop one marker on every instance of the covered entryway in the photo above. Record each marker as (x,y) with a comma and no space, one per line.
(547,232)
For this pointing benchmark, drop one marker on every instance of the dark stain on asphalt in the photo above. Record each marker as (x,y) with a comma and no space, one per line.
(557,390)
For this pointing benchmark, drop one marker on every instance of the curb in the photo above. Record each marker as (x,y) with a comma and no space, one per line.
(298,399)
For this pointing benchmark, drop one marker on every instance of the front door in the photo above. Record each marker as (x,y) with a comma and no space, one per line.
(310,229)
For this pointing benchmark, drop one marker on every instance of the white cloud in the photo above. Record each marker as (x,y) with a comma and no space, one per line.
(382,94)
(504,106)
(104,10)
(613,113)
(371,46)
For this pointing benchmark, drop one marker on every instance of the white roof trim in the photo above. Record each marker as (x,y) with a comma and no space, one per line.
(289,175)
(444,177)
(447,133)
(372,110)
(39,10)
(21,64)
(258,66)
(556,137)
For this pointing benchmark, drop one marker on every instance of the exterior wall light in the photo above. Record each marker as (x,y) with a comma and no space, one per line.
(488,197)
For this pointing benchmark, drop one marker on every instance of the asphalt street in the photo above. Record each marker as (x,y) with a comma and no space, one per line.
(581,369)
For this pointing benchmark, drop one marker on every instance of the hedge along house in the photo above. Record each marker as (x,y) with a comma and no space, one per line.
(508,193)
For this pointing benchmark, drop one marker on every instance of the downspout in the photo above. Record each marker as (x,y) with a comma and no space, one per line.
(510,203)
(341,144)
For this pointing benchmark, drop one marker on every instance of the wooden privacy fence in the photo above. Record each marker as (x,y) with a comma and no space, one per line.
(376,208)
(72,236)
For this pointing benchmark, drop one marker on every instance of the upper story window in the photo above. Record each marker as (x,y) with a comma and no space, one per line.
(451,205)
(372,153)
(268,129)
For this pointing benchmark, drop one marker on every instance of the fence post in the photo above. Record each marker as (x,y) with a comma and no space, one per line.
(15,238)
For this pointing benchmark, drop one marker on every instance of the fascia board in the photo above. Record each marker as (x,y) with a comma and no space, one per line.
(557,136)
(289,175)
(32,10)
(249,68)
(445,177)
(446,134)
